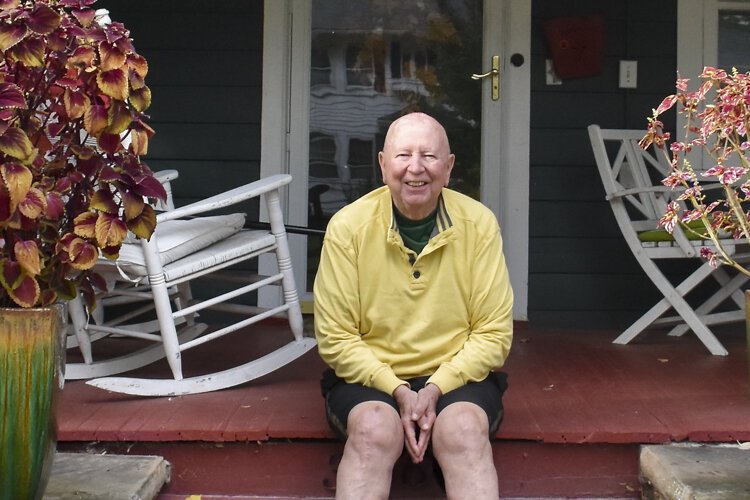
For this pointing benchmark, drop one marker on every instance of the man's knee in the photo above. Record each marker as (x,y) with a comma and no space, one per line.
(376,426)
(460,427)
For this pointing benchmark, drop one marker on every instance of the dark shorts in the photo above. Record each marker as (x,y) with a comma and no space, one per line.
(341,397)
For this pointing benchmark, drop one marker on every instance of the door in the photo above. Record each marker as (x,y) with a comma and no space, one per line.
(356,65)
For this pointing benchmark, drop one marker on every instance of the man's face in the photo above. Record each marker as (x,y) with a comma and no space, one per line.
(416,163)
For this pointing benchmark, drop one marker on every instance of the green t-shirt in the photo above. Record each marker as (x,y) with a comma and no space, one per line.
(415,233)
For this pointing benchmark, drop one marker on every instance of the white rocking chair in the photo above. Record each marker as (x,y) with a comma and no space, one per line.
(632,182)
(159,271)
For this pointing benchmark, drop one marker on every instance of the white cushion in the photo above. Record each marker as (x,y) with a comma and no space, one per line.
(178,238)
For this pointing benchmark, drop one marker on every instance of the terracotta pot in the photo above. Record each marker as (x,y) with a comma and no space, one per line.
(31,378)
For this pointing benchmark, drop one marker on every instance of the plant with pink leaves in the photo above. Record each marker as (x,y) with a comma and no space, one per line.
(717,118)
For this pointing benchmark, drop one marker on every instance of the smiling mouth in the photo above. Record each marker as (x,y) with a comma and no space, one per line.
(416,183)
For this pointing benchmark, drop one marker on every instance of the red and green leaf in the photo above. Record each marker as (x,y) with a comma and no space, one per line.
(144,224)
(27,256)
(113,83)
(11,96)
(14,142)
(17,179)
(34,204)
(44,20)
(104,201)
(11,34)
(20,287)
(84,225)
(110,230)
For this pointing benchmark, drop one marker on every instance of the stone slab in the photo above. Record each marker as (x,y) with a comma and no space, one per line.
(106,477)
(695,472)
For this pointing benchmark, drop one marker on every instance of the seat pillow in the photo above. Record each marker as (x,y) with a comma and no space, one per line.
(178,238)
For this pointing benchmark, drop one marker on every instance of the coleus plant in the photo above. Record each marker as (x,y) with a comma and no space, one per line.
(717,116)
(72,132)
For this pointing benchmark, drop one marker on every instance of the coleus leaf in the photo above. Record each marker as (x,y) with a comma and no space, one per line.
(141,99)
(34,204)
(110,230)
(144,224)
(17,179)
(11,34)
(150,187)
(84,225)
(82,255)
(104,201)
(44,20)
(9,4)
(109,143)
(30,52)
(113,83)
(84,16)
(83,56)
(119,118)
(138,142)
(14,142)
(133,205)
(11,96)
(21,288)
(95,119)
(75,104)
(111,56)
(27,256)
(55,206)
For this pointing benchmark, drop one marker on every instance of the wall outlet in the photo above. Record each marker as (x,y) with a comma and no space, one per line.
(628,74)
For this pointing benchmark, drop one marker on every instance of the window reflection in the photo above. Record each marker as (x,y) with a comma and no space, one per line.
(734,40)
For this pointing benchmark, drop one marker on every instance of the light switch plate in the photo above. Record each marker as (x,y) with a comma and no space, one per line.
(628,74)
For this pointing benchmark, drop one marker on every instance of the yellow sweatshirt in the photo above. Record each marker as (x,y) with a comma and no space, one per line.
(384,314)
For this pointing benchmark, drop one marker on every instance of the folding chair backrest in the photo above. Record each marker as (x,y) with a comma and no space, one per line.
(632,181)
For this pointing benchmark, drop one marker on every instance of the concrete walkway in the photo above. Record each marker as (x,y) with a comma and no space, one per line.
(695,472)
(106,477)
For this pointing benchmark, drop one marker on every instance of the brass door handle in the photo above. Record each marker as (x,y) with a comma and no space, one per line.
(495,74)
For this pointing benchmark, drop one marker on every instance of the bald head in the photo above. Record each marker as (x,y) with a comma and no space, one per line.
(421,119)
(416,163)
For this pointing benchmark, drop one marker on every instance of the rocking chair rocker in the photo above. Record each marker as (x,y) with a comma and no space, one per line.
(158,272)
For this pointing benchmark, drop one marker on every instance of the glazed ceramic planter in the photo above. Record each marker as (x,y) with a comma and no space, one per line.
(31,378)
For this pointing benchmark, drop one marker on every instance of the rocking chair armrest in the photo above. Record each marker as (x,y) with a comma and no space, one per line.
(166,175)
(227,198)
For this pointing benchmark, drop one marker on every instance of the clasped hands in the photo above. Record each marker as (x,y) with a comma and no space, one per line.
(417,416)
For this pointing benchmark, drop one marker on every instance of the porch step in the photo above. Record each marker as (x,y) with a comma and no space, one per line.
(111,477)
(693,472)
(307,469)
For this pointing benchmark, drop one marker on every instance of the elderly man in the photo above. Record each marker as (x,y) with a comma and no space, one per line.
(413,314)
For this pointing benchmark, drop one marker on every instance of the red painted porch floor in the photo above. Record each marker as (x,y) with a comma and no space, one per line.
(577,409)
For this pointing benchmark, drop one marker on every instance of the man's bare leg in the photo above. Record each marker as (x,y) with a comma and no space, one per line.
(461,445)
(375,441)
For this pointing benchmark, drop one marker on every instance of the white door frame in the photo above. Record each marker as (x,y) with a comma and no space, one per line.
(505,157)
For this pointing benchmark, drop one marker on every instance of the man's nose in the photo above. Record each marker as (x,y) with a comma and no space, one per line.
(416,164)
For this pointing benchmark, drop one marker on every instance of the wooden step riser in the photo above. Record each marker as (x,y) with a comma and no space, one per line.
(306,469)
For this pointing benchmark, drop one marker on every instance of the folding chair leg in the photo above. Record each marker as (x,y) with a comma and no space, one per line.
(729,288)
(673,296)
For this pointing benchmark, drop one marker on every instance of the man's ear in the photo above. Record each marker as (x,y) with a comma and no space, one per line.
(451,162)
(381,159)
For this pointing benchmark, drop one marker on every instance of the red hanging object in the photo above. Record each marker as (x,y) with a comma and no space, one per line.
(576,45)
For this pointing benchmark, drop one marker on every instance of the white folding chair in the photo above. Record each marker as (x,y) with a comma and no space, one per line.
(632,181)
(159,271)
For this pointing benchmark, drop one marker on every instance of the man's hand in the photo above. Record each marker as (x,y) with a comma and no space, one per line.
(417,417)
